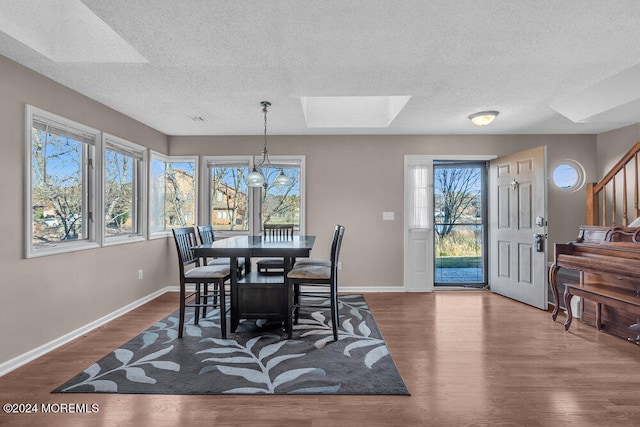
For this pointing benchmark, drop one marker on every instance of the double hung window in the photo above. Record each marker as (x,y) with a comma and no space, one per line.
(124,188)
(60,184)
(234,208)
(173,201)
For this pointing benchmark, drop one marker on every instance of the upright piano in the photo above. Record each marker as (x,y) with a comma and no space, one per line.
(608,259)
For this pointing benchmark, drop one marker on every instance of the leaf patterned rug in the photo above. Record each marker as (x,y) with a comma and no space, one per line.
(256,359)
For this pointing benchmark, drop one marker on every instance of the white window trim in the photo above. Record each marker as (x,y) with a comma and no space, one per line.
(93,185)
(172,159)
(291,160)
(205,191)
(141,191)
(254,193)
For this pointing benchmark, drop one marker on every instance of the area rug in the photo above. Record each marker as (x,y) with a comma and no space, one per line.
(256,359)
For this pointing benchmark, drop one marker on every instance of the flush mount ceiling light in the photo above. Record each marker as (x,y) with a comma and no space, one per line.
(256,177)
(483,118)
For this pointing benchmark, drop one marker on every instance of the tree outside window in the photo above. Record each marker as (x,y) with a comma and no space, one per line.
(57,185)
(173,193)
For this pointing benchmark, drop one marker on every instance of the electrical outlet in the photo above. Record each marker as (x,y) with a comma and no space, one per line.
(339,265)
(139,274)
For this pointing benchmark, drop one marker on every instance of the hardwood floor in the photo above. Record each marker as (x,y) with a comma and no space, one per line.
(468,358)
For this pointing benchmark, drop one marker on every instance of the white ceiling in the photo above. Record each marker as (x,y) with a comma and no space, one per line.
(219,59)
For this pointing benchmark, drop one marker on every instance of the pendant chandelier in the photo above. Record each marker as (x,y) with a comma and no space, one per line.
(256,178)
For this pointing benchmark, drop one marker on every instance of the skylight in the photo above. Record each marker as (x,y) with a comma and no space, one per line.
(351,111)
(65,31)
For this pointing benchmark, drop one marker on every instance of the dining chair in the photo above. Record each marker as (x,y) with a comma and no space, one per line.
(201,277)
(319,281)
(207,235)
(274,232)
(317,261)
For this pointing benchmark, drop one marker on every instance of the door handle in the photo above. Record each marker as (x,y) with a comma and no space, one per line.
(539,242)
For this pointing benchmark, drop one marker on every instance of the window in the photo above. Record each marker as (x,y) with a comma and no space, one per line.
(60,184)
(173,186)
(228,195)
(459,218)
(282,204)
(233,207)
(124,190)
(568,175)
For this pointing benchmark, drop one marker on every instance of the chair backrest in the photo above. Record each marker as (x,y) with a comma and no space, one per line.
(278,231)
(185,239)
(206,234)
(335,248)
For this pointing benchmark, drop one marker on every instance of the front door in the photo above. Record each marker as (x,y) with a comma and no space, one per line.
(517,227)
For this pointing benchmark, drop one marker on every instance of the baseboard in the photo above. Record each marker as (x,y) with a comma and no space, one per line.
(27,357)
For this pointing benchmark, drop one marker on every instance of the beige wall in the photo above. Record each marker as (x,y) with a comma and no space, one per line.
(350,180)
(613,145)
(353,179)
(44,298)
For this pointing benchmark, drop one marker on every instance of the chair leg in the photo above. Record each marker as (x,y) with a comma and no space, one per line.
(290,309)
(296,302)
(334,312)
(223,310)
(205,298)
(182,308)
(215,293)
(196,318)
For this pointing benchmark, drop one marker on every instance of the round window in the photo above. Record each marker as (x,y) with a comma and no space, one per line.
(568,175)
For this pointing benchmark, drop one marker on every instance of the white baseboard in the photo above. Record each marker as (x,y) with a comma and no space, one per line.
(27,357)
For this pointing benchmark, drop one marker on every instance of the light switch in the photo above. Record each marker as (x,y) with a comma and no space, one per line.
(388,216)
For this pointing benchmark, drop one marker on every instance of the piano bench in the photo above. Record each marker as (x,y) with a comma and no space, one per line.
(600,294)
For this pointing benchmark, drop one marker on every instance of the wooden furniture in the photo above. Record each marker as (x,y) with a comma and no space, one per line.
(608,259)
(277,232)
(256,296)
(322,281)
(317,261)
(207,236)
(201,277)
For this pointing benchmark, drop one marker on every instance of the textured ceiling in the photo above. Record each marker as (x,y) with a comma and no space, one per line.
(219,59)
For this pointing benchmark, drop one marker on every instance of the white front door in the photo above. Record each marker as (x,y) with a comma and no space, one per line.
(517,214)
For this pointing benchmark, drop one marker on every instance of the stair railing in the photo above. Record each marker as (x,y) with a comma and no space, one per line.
(608,200)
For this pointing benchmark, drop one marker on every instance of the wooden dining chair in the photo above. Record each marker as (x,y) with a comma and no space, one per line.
(274,232)
(201,277)
(319,281)
(207,235)
(317,261)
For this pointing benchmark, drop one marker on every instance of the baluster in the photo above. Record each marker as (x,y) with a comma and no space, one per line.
(604,205)
(624,196)
(613,203)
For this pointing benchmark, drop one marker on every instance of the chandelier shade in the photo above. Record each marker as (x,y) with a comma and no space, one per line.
(256,177)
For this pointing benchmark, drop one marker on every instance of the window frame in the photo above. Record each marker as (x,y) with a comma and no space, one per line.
(254,193)
(140,188)
(579,170)
(154,155)
(205,191)
(284,161)
(91,185)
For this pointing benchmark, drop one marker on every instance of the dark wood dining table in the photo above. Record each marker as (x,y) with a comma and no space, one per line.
(254,295)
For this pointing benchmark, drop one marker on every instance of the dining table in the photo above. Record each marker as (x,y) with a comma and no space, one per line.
(255,295)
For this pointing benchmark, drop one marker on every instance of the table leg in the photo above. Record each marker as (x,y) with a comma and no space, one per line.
(288,323)
(234,294)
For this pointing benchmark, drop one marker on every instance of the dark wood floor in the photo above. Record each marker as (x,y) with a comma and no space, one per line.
(468,358)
